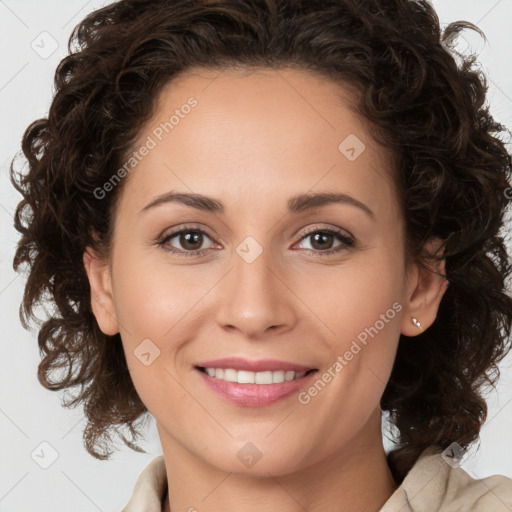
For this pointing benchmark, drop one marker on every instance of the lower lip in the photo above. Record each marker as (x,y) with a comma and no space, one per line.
(255,395)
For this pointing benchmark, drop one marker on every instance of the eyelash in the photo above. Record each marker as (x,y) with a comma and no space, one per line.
(346,240)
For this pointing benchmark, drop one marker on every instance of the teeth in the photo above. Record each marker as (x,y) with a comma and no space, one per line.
(245,377)
(230,375)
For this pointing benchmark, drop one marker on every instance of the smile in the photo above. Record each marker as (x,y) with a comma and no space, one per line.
(247,377)
(250,383)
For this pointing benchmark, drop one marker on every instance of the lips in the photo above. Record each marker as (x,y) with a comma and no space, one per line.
(254,383)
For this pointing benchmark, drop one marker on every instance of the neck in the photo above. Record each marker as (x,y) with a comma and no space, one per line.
(356,478)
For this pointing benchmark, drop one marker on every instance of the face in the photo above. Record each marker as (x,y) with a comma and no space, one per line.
(224,305)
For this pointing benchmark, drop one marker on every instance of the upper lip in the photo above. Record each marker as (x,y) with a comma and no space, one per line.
(239,363)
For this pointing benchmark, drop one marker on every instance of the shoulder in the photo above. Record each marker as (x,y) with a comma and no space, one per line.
(433,484)
(149,489)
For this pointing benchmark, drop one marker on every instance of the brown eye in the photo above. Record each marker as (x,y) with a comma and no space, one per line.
(322,241)
(188,242)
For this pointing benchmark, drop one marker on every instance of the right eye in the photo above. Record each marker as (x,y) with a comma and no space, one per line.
(189,238)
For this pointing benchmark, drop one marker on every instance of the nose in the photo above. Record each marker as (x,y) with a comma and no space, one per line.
(255,298)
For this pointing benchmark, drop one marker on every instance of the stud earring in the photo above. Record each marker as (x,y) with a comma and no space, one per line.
(416,322)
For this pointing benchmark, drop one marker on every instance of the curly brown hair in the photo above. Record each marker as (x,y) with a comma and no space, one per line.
(452,173)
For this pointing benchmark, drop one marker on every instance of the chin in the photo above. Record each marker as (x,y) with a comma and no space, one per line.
(249,460)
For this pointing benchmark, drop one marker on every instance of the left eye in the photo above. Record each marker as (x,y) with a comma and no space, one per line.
(324,237)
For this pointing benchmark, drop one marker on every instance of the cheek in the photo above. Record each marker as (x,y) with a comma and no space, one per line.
(152,301)
(357,297)
(362,308)
(158,310)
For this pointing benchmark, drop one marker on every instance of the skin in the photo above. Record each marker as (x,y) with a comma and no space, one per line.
(254,140)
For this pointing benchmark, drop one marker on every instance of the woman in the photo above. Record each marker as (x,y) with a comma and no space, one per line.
(196,158)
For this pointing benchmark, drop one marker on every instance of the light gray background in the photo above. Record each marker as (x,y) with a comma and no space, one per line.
(30,414)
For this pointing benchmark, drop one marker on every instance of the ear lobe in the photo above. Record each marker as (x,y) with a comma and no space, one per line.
(102,297)
(426,289)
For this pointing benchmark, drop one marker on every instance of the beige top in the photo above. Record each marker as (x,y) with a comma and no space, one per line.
(431,485)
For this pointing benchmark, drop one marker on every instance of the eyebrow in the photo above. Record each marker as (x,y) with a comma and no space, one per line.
(298,203)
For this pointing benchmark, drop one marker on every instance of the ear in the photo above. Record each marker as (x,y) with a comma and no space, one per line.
(102,297)
(425,289)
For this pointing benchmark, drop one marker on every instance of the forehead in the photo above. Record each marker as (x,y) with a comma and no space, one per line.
(258,133)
